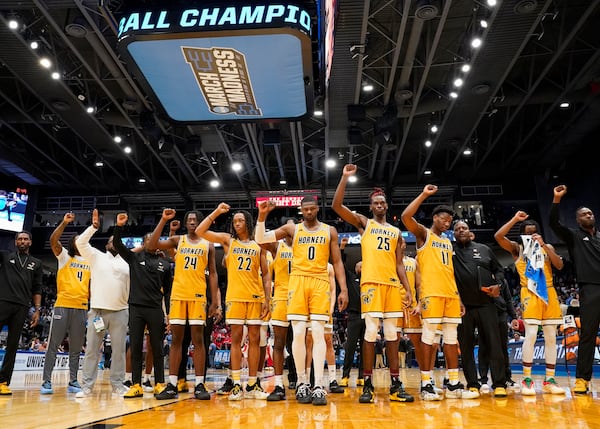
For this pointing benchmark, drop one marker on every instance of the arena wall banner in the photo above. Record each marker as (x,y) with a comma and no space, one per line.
(34,361)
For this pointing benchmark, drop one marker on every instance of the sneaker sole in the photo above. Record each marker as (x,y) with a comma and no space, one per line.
(397,399)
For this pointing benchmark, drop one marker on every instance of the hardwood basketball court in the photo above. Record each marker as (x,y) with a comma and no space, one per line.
(26,408)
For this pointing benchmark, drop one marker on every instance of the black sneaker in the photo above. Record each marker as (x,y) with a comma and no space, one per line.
(226,388)
(127,383)
(304,393)
(278,394)
(201,393)
(292,385)
(368,394)
(334,387)
(319,396)
(169,392)
(398,394)
(147,386)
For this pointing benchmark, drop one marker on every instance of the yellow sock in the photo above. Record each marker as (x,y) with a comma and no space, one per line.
(549,373)
(425,378)
(236,376)
(453,376)
(526,372)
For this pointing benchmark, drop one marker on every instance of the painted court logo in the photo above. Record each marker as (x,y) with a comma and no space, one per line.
(222,76)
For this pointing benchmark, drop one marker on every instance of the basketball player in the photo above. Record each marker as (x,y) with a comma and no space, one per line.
(247,299)
(69,314)
(539,307)
(308,294)
(194,257)
(281,268)
(381,290)
(439,300)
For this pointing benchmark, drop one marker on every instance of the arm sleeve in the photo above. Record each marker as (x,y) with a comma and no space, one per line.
(261,236)
(123,251)
(83,243)
(560,230)
(167,286)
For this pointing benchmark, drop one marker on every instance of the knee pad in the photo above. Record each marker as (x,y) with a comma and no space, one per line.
(428,332)
(450,332)
(262,342)
(371,328)
(390,332)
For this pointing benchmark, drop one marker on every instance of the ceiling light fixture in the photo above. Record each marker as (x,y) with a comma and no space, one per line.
(367,87)
(141,180)
(492,3)
(34,45)
(90,109)
(453,94)
(352,179)
(45,62)
(483,23)
(465,68)
(467,152)
(565,105)
(476,42)
(214,183)
(99,163)
(434,128)
(13,24)
(127,149)
(458,82)
(236,166)
(55,75)
(330,163)
(428,143)
(282,182)
(118,139)
(427,172)
(318,113)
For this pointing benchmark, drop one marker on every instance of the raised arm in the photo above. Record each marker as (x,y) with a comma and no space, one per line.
(154,241)
(261,235)
(57,233)
(83,241)
(121,249)
(408,215)
(555,259)
(510,246)
(203,231)
(338,267)
(355,219)
(559,229)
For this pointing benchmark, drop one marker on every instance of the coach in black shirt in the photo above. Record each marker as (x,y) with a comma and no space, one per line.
(584,250)
(478,275)
(20,283)
(149,277)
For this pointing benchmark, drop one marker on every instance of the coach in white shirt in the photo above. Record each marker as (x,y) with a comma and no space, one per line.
(109,310)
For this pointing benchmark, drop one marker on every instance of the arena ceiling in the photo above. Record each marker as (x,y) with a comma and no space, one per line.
(508,119)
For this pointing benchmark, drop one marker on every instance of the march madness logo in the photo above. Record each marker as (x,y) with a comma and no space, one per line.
(222,76)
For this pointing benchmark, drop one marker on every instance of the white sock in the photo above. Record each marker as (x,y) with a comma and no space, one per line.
(173,380)
(332,372)
(199,379)
(279,380)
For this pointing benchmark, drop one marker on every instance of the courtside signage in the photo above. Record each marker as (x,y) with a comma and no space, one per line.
(208,63)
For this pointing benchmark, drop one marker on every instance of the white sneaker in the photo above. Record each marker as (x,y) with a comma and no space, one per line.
(255,392)
(429,394)
(236,393)
(84,392)
(470,393)
(485,389)
(513,387)
(528,387)
(551,386)
(120,390)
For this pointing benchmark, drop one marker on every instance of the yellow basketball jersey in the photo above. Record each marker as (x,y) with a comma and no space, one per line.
(282,267)
(378,245)
(435,264)
(191,260)
(410,266)
(521,265)
(244,283)
(73,283)
(311,251)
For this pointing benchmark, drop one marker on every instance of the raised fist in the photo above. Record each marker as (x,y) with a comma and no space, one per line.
(349,170)
(122,219)
(69,217)
(168,214)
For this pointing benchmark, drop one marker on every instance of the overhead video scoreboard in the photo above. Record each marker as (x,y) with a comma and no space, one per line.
(218,62)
